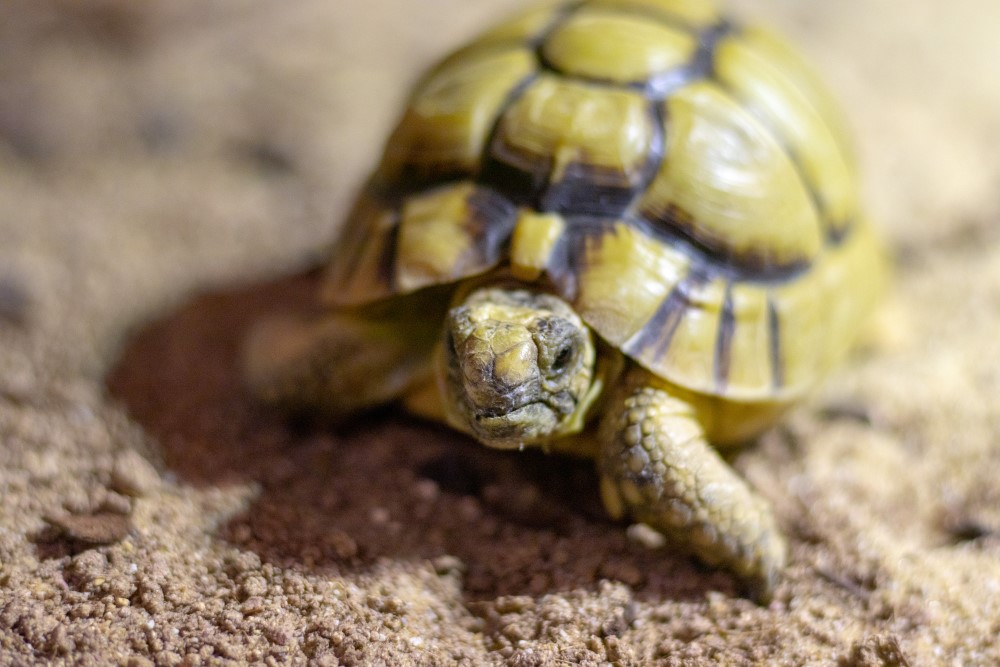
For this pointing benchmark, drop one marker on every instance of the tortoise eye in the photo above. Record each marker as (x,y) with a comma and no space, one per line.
(563,358)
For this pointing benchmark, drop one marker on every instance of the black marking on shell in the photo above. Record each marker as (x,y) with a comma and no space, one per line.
(774,349)
(587,190)
(568,257)
(818,202)
(490,223)
(584,189)
(653,340)
(485,229)
(561,265)
(657,152)
(559,17)
(837,234)
(724,341)
(521,188)
(350,246)
(420,177)
(674,226)
(660,85)
(387,259)
(702,65)
(415,181)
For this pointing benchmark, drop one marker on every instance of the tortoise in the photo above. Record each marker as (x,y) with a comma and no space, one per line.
(624,229)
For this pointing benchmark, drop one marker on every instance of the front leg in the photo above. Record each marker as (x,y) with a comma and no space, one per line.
(657,466)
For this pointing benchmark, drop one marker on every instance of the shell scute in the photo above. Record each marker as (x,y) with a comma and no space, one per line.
(449,118)
(567,136)
(605,45)
(758,77)
(728,185)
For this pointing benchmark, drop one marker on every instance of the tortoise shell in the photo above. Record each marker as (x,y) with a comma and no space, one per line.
(684,182)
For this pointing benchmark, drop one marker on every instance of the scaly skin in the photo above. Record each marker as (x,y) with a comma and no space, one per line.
(657,466)
(655,462)
(519,367)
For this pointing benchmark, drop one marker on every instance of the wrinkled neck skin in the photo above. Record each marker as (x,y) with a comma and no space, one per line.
(516,367)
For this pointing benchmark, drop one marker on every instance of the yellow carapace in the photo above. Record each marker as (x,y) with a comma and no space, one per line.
(627,229)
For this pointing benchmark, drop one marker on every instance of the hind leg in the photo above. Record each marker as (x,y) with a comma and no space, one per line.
(338,363)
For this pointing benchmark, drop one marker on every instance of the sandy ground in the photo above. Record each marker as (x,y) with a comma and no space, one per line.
(164,163)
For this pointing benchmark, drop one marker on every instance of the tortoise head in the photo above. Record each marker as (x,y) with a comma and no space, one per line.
(517,367)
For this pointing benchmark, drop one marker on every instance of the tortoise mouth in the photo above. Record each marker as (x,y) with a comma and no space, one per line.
(511,429)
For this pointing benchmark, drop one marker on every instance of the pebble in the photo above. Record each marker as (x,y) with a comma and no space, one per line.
(95,529)
(648,537)
(133,475)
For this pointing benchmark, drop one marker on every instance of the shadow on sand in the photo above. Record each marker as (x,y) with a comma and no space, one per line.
(385,487)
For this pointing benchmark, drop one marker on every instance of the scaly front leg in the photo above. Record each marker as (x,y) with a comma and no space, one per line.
(657,466)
